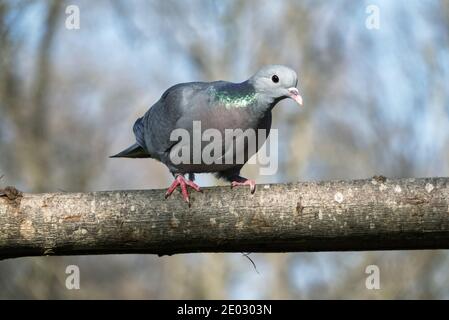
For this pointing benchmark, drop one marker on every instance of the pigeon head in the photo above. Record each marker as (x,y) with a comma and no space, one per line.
(276,82)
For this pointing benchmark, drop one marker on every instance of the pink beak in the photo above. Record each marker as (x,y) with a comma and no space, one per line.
(294,94)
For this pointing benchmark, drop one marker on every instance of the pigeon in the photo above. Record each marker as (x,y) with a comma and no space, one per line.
(215,106)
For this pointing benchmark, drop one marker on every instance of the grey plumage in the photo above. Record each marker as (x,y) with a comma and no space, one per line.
(217,105)
(134,151)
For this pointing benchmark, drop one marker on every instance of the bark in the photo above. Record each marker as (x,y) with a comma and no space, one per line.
(373,214)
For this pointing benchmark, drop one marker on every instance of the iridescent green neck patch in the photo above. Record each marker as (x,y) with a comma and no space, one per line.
(234,100)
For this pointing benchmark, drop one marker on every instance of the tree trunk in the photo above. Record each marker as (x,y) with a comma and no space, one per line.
(376,214)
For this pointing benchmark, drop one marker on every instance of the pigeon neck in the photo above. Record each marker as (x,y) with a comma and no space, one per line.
(266,102)
(236,95)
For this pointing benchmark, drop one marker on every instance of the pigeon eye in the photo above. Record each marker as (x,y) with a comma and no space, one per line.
(275,79)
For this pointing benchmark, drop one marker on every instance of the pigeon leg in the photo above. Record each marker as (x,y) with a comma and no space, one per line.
(183,182)
(240,181)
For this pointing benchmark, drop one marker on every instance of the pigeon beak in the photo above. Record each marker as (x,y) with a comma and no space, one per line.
(294,94)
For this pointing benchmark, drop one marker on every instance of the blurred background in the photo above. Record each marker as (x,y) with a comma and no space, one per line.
(376,103)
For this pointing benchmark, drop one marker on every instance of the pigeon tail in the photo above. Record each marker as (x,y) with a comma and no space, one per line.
(135,151)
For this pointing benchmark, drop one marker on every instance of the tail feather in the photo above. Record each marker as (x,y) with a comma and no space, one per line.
(135,151)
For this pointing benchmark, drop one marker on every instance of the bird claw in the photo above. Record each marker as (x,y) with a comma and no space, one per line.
(183,182)
(246,182)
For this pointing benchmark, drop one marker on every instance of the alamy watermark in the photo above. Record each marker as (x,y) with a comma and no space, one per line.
(372,282)
(72,21)
(237,146)
(372,21)
(72,282)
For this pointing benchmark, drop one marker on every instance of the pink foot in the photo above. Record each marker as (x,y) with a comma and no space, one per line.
(245,182)
(183,182)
